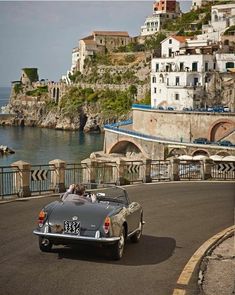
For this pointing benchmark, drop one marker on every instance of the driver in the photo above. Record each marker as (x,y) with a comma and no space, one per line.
(76,192)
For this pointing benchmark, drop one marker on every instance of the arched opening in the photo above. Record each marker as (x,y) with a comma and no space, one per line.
(201,153)
(223,154)
(176,152)
(54,93)
(126,148)
(57,95)
(221,129)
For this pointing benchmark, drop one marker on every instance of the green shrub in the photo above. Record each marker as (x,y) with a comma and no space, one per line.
(32,74)
(18,88)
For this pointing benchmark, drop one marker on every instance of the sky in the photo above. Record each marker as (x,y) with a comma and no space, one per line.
(42,34)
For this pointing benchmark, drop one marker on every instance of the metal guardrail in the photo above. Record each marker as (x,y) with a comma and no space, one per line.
(160,170)
(44,178)
(223,171)
(190,170)
(41,178)
(7,180)
(74,173)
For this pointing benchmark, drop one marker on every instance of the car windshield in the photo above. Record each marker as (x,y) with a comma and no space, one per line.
(112,194)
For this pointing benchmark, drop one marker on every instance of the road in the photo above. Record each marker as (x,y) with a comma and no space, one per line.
(179,217)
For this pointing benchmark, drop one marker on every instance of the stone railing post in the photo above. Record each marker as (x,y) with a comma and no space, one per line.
(22,178)
(206,166)
(89,171)
(58,175)
(146,170)
(174,173)
(120,172)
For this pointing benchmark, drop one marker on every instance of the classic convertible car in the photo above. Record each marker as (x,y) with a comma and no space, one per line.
(109,220)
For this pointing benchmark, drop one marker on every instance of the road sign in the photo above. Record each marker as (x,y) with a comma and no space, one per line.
(133,168)
(39,175)
(225,167)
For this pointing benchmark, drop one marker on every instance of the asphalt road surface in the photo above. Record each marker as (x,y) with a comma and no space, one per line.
(179,217)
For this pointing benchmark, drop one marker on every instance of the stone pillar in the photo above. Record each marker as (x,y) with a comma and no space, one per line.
(206,165)
(174,175)
(147,170)
(22,178)
(89,172)
(58,175)
(120,172)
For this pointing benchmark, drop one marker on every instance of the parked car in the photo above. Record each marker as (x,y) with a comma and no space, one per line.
(201,140)
(170,108)
(225,143)
(110,220)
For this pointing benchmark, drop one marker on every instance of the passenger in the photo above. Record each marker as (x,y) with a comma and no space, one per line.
(76,192)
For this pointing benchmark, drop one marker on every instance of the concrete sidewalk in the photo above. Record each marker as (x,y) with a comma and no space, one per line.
(217,269)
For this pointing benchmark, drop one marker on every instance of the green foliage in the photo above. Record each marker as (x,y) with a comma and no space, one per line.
(38,91)
(115,103)
(112,102)
(131,47)
(50,105)
(18,88)
(32,74)
(74,99)
(146,100)
(154,41)
(193,16)
(101,59)
(75,76)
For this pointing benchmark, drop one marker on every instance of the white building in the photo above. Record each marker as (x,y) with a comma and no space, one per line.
(180,77)
(163,10)
(198,3)
(74,66)
(222,17)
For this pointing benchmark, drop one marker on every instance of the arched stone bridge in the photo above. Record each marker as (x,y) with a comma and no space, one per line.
(117,142)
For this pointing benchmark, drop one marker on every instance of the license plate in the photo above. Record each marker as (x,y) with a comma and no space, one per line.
(72,227)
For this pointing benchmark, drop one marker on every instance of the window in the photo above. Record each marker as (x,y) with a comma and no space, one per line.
(194,66)
(214,67)
(181,66)
(177,96)
(195,81)
(155,90)
(154,80)
(101,41)
(177,81)
(170,51)
(157,67)
(170,41)
(206,66)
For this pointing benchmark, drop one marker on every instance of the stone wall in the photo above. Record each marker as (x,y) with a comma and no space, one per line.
(183,126)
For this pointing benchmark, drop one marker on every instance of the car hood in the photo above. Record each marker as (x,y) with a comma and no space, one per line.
(90,215)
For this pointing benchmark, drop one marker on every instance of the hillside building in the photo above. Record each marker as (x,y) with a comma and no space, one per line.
(181,77)
(101,42)
(222,17)
(163,10)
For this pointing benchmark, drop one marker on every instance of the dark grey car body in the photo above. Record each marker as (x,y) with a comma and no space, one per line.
(112,207)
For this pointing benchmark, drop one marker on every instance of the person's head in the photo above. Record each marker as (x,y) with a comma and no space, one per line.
(79,189)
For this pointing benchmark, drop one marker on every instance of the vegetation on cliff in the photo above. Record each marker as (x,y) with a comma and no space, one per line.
(108,102)
(31,73)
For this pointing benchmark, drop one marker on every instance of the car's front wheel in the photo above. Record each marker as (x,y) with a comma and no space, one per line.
(45,245)
(118,248)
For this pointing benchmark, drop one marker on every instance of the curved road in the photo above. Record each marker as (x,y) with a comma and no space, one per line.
(179,217)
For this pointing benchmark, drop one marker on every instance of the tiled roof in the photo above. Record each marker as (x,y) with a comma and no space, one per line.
(88,38)
(111,33)
(181,39)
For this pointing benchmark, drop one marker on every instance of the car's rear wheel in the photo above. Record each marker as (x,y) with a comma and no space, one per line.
(137,235)
(45,245)
(118,248)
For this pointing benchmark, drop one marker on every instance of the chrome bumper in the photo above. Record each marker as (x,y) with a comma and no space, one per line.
(75,238)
